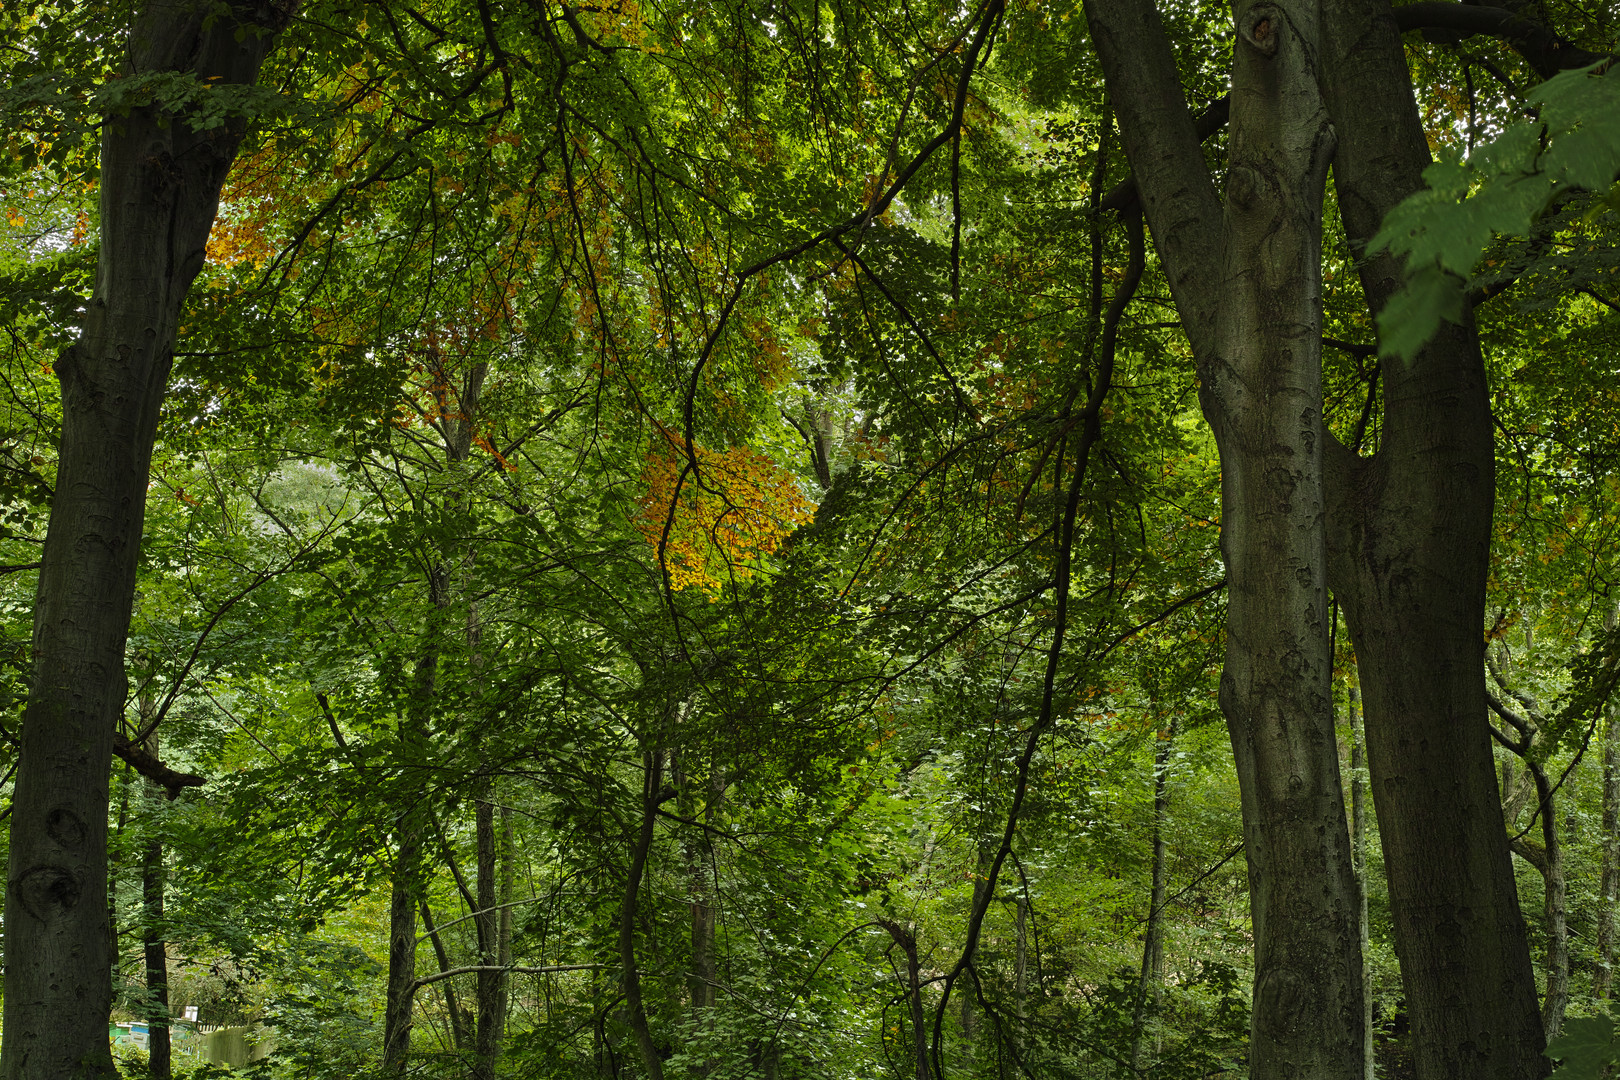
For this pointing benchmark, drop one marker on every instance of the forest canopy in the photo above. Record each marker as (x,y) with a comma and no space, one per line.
(787,539)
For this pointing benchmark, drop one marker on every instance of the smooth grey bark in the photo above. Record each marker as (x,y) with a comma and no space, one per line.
(160,184)
(1262,393)
(1409,541)
(1249,299)
(1409,536)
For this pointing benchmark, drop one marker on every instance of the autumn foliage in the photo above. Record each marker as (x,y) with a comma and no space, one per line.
(714,519)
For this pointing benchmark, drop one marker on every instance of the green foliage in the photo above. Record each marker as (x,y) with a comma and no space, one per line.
(1504,187)
(1585,1049)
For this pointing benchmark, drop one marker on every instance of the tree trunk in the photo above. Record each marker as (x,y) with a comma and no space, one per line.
(503,932)
(1358,856)
(1021,960)
(972,1029)
(458,1029)
(160,184)
(113,848)
(1609,889)
(405,897)
(1153,933)
(397,1012)
(1555,906)
(635,1009)
(154,939)
(1249,299)
(1410,543)
(1262,394)
(907,941)
(491,984)
(1548,861)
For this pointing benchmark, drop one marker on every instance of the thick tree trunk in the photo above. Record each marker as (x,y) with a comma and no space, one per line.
(1410,543)
(160,184)
(1262,394)
(1249,299)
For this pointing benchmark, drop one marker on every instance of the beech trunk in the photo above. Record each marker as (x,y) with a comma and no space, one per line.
(160,184)
(1410,541)
(1249,299)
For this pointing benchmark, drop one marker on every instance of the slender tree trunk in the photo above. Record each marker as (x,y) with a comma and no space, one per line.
(157,963)
(491,984)
(405,896)
(160,183)
(907,941)
(1153,933)
(1609,888)
(503,933)
(983,861)
(1548,860)
(113,850)
(1358,854)
(458,1029)
(154,942)
(635,1010)
(1556,908)
(1410,542)
(1021,959)
(397,1014)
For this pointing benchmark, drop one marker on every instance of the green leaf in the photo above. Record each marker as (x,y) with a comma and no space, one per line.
(1584,1049)
(1414,314)
(1504,187)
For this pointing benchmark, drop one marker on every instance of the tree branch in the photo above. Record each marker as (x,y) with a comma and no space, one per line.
(154,770)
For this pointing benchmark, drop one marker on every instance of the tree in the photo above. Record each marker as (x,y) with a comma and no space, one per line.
(739,533)
(163,160)
(1406,530)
